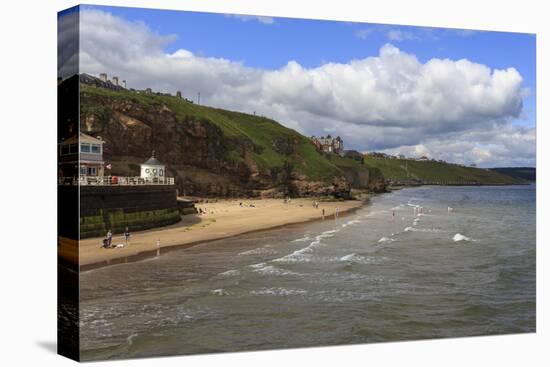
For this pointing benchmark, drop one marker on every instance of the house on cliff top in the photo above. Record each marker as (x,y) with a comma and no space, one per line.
(329,144)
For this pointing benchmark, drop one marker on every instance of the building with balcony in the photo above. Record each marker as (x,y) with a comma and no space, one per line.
(81,155)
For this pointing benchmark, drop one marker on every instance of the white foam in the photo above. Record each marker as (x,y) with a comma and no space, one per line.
(279,291)
(303,239)
(130,339)
(353,257)
(385,239)
(220,292)
(460,237)
(273,270)
(425,230)
(257,266)
(304,254)
(229,273)
(350,223)
(257,251)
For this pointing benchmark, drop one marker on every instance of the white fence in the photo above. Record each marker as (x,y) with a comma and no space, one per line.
(115,181)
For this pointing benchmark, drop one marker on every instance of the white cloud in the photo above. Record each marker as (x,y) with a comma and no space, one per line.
(364,33)
(259,18)
(465,32)
(388,101)
(400,35)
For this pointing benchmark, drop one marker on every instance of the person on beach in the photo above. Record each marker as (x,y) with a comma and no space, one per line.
(126,235)
(393,214)
(323,212)
(336,213)
(109,238)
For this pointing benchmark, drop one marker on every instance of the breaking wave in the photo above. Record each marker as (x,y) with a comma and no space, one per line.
(279,291)
(460,237)
(229,273)
(304,254)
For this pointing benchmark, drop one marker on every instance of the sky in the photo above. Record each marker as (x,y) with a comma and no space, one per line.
(460,95)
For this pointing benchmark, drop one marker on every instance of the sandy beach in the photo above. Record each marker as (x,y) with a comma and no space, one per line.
(222,219)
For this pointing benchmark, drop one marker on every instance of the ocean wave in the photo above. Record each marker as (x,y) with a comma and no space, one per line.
(257,266)
(460,237)
(273,270)
(220,292)
(279,291)
(303,239)
(229,273)
(298,256)
(355,258)
(386,239)
(257,251)
(130,339)
(304,254)
(425,230)
(350,223)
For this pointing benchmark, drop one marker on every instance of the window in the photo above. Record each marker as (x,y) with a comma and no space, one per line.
(161,172)
(85,148)
(96,148)
(73,149)
(83,171)
(92,171)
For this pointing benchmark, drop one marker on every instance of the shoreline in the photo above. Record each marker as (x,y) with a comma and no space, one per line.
(223,219)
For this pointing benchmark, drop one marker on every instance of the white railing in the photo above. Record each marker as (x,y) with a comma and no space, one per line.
(115,181)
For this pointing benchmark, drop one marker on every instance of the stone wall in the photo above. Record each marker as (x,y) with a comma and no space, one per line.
(116,207)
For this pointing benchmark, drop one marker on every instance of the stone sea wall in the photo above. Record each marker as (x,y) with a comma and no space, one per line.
(116,207)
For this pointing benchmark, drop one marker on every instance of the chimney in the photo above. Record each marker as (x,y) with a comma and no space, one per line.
(115,80)
(103,77)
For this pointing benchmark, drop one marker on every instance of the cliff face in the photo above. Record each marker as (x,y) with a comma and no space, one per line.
(207,155)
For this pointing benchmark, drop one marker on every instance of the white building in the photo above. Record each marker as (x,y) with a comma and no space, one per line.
(152,168)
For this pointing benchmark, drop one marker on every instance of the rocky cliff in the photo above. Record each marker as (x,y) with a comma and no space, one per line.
(211,152)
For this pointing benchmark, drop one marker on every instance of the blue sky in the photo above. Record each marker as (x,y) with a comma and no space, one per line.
(269,44)
(315,42)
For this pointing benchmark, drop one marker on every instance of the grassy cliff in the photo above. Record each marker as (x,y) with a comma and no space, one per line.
(431,172)
(273,144)
(523,173)
(209,150)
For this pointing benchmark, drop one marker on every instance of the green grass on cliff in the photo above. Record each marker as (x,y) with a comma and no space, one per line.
(436,172)
(263,132)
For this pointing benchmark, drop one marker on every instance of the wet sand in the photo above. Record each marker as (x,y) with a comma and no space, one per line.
(222,219)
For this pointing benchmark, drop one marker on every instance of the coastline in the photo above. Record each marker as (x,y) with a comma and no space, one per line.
(223,219)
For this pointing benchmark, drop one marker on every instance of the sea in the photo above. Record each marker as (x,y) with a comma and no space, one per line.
(389,271)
